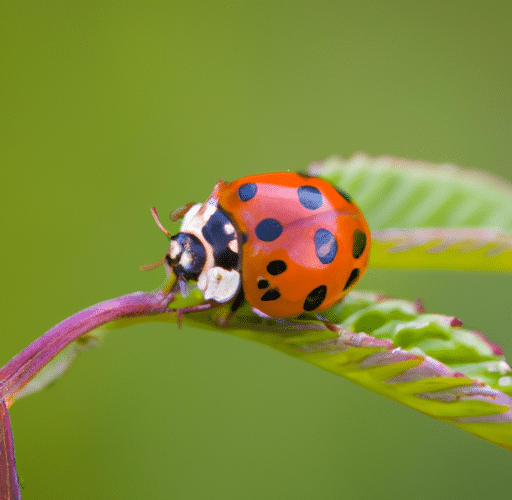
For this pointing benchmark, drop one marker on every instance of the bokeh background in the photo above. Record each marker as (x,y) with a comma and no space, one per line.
(108,108)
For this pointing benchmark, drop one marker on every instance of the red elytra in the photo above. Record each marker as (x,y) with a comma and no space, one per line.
(307,244)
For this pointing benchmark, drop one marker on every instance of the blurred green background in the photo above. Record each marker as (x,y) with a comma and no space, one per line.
(108,108)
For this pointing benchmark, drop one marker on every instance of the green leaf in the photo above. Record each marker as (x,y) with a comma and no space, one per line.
(390,346)
(428,216)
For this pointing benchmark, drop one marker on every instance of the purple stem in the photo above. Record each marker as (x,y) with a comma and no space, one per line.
(9,485)
(23,367)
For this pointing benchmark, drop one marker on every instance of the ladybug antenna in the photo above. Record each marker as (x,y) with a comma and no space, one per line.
(158,223)
(148,267)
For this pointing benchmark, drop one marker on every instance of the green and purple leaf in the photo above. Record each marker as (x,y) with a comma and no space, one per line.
(425,361)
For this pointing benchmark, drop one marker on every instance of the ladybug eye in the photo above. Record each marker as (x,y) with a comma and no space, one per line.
(174,250)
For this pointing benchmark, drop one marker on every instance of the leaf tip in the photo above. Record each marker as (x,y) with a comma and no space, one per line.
(419,306)
(456,322)
(495,348)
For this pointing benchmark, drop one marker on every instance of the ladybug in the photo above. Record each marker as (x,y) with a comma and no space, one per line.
(285,242)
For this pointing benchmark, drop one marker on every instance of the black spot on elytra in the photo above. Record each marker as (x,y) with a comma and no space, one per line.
(359,243)
(247,191)
(215,234)
(326,246)
(262,284)
(276,267)
(344,195)
(315,298)
(310,197)
(271,294)
(353,276)
(268,230)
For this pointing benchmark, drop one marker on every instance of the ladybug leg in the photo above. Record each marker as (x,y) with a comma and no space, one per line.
(222,320)
(177,214)
(294,324)
(191,309)
(327,323)
(205,306)
(301,326)
(235,305)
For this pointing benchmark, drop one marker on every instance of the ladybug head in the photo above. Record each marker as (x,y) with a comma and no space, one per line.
(186,256)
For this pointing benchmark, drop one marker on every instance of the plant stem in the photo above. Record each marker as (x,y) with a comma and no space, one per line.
(23,367)
(9,485)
